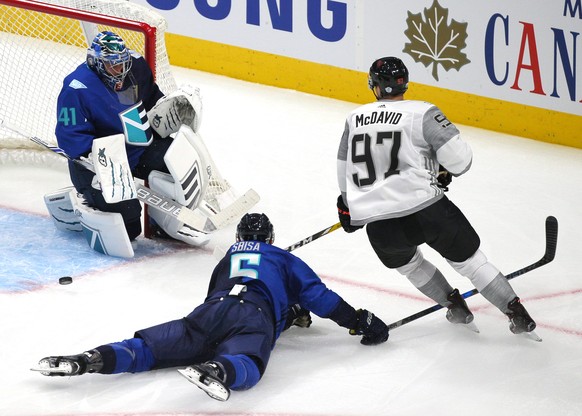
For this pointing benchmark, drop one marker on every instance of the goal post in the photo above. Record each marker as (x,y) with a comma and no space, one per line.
(43,41)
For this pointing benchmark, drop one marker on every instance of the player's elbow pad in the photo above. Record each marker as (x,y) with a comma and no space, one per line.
(455,155)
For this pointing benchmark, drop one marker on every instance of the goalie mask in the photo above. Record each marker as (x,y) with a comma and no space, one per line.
(390,74)
(255,227)
(110,58)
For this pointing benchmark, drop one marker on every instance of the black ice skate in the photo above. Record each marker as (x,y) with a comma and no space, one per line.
(210,377)
(71,365)
(519,320)
(458,312)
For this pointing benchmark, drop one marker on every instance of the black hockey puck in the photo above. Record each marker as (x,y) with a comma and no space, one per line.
(65,280)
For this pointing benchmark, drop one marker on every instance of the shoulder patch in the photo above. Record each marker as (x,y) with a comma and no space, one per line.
(76,84)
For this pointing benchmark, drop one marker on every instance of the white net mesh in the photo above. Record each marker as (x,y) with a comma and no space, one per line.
(38,49)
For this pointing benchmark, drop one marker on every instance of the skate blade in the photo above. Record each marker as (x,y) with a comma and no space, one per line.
(532,336)
(210,386)
(471,327)
(49,371)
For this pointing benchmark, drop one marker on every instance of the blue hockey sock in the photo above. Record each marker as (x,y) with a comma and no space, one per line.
(246,373)
(130,356)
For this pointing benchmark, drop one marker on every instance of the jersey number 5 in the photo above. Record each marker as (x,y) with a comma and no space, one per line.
(366,157)
(240,262)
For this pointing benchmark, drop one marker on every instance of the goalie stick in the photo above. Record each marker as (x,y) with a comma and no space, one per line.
(149,197)
(551,243)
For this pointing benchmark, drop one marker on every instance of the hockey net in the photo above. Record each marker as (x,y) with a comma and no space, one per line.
(43,41)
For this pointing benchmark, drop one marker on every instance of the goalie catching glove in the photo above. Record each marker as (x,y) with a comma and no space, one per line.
(182,107)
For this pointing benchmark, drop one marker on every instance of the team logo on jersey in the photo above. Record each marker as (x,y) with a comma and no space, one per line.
(136,126)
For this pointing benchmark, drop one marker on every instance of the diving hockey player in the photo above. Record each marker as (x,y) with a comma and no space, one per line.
(253,296)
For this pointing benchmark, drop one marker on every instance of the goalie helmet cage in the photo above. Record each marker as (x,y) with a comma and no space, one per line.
(43,41)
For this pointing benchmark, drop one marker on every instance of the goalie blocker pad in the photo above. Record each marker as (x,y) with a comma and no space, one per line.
(182,107)
(112,168)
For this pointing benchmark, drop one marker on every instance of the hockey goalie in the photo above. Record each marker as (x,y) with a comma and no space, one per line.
(113,118)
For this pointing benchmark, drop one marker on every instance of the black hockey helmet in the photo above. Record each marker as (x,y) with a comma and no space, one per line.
(390,74)
(255,227)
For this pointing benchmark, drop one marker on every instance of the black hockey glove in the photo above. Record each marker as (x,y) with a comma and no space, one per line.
(298,316)
(373,329)
(444,178)
(344,216)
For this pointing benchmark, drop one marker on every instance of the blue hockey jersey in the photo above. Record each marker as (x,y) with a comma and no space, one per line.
(88,109)
(276,277)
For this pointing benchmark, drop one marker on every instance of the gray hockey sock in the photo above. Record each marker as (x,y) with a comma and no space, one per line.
(499,292)
(437,288)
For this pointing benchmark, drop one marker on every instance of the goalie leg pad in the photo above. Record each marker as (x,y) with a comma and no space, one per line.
(189,166)
(164,184)
(60,207)
(105,231)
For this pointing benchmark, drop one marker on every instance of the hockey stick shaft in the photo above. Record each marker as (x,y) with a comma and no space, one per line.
(314,237)
(551,243)
(219,252)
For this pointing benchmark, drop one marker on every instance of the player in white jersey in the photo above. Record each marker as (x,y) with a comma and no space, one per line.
(395,160)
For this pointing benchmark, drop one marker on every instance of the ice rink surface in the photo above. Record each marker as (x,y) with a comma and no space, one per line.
(283,144)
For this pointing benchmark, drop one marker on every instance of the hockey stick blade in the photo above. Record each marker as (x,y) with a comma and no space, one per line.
(232,212)
(549,254)
(313,237)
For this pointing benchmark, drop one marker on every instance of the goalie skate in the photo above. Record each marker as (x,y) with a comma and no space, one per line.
(206,382)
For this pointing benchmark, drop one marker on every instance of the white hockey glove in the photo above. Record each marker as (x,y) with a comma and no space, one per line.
(183,106)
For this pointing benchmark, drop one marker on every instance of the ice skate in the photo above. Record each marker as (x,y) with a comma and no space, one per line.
(519,320)
(209,377)
(458,312)
(71,365)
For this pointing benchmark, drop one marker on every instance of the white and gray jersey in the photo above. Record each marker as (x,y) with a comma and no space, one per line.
(389,156)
